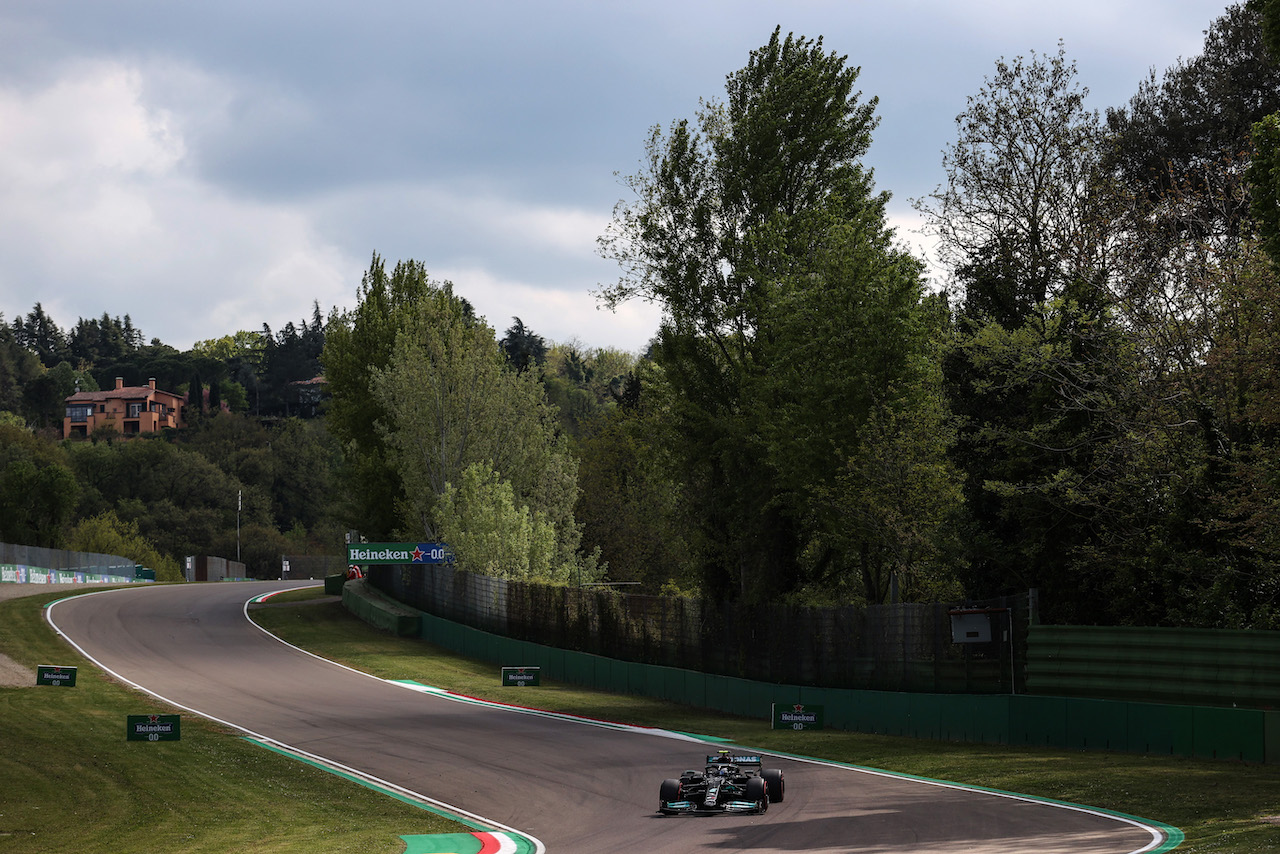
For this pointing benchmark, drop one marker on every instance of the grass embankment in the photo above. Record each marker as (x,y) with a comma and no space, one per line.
(70,782)
(1221,806)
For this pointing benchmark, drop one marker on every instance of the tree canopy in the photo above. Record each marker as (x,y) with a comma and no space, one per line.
(758,231)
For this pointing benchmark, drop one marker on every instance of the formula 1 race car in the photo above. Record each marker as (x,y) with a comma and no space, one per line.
(728,783)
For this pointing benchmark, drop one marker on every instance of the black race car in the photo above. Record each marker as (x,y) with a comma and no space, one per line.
(728,783)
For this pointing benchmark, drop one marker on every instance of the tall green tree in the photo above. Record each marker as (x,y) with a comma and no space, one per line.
(181,502)
(631,505)
(757,229)
(358,344)
(1012,218)
(1263,174)
(38,491)
(18,366)
(522,347)
(107,534)
(452,402)
(39,333)
(1037,371)
(1186,132)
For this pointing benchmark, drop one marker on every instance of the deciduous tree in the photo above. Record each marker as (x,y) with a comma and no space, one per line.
(450,402)
(758,231)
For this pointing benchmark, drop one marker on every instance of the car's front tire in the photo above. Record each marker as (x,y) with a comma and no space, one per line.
(670,791)
(757,791)
(774,784)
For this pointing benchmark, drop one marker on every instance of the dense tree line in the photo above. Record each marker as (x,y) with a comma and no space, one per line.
(1088,405)
(1086,408)
(162,498)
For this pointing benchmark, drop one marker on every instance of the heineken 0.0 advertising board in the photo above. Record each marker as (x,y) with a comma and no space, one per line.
(796,716)
(154,727)
(365,554)
(58,677)
(521,676)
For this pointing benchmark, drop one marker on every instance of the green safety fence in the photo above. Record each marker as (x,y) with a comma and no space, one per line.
(1251,735)
(1198,667)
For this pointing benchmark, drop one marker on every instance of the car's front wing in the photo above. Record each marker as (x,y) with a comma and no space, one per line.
(694,808)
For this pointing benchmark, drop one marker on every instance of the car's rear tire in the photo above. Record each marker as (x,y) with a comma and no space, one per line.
(757,791)
(774,783)
(670,791)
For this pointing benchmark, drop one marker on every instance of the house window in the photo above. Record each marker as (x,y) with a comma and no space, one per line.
(135,409)
(80,411)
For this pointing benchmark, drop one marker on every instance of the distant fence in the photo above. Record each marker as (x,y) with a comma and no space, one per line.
(314,566)
(37,565)
(42,558)
(1074,723)
(904,647)
(1205,667)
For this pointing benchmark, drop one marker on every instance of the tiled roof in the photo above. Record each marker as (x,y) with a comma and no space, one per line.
(132,392)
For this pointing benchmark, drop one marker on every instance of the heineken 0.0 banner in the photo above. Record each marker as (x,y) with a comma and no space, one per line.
(521,676)
(796,716)
(154,727)
(364,554)
(58,677)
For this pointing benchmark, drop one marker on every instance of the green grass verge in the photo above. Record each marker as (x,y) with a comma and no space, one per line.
(70,782)
(1223,807)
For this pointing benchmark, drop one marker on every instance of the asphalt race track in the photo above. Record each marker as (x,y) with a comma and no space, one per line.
(580,789)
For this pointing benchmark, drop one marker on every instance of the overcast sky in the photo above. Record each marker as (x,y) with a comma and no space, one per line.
(211,167)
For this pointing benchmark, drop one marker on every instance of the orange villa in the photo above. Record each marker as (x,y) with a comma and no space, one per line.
(130,409)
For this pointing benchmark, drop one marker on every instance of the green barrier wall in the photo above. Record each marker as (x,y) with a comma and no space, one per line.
(1252,735)
(380,612)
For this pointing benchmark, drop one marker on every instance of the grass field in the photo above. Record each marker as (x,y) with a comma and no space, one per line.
(70,782)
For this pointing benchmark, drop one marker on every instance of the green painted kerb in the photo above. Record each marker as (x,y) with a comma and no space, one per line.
(453,843)
(463,843)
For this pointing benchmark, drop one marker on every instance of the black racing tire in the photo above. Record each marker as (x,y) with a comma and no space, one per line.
(670,791)
(774,783)
(757,791)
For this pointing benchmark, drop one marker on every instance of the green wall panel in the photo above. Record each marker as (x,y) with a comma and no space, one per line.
(925,716)
(578,668)
(1159,728)
(1229,734)
(760,697)
(673,685)
(1039,721)
(1097,725)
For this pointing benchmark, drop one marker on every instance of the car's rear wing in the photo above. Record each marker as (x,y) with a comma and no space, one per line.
(722,758)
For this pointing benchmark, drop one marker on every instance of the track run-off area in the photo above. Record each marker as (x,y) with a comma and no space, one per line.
(531,780)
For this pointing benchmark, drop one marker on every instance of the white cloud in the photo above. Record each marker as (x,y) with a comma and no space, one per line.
(89,124)
(100,212)
(558,315)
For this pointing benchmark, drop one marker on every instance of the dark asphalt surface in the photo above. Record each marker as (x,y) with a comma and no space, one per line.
(577,788)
